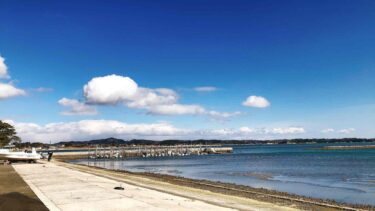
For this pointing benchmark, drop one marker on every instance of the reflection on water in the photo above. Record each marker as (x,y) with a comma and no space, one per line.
(342,175)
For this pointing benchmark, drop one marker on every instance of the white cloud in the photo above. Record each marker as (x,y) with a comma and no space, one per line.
(342,131)
(176,109)
(347,130)
(205,89)
(222,115)
(111,89)
(92,129)
(278,130)
(288,130)
(256,101)
(76,107)
(247,130)
(181,109)
(8,90)
(114,89)
(146,98)
(3,68)
(328,130)
(253,133)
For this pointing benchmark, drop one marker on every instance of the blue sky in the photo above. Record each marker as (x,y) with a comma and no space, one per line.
(313,61)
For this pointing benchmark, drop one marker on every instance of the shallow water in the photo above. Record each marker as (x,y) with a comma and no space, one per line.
(341,175)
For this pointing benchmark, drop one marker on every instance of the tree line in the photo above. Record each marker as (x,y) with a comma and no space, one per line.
(8,134)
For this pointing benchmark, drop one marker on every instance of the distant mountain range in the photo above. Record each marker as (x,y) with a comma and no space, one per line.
(115,141)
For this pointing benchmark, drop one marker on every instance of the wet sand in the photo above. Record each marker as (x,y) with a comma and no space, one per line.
(15,194)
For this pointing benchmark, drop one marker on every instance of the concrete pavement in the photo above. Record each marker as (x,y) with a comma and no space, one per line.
(61,188)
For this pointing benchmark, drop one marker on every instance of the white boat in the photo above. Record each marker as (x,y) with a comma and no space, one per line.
(6,154)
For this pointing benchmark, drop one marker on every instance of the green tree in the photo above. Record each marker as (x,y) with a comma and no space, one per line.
(7,134)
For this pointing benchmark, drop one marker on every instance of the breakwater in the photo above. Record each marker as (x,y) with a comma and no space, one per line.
(144,151)
(349,147)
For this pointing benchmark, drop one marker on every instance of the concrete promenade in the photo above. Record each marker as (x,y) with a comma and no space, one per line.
(61,188)
(15,194)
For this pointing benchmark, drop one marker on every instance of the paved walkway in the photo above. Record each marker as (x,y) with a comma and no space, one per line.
(60,188)
(15,194)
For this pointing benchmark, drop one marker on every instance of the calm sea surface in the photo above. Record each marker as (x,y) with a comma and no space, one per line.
(342,175)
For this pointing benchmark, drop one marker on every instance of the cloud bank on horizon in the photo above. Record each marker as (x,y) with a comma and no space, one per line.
(96,129)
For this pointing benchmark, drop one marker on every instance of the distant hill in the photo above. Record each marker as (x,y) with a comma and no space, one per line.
(114,141)
(107,141)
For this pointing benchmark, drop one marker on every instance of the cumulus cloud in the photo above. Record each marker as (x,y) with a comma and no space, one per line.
(3,68)
(181,109)
(76,107)
(205,89)
(114,89)
(347,130)
(146,98)
(8,90)
(92,129)
(288,130)
(256,101)
(328,130)
(252,133)
(278,130)
(342,131)
(111,89)
(176,109)
(222,116)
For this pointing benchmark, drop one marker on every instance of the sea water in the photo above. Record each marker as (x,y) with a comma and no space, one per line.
(303,169)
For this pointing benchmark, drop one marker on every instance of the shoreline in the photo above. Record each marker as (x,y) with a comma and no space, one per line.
(258,194)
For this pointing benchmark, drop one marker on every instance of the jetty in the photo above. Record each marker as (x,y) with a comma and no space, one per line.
(121,152)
